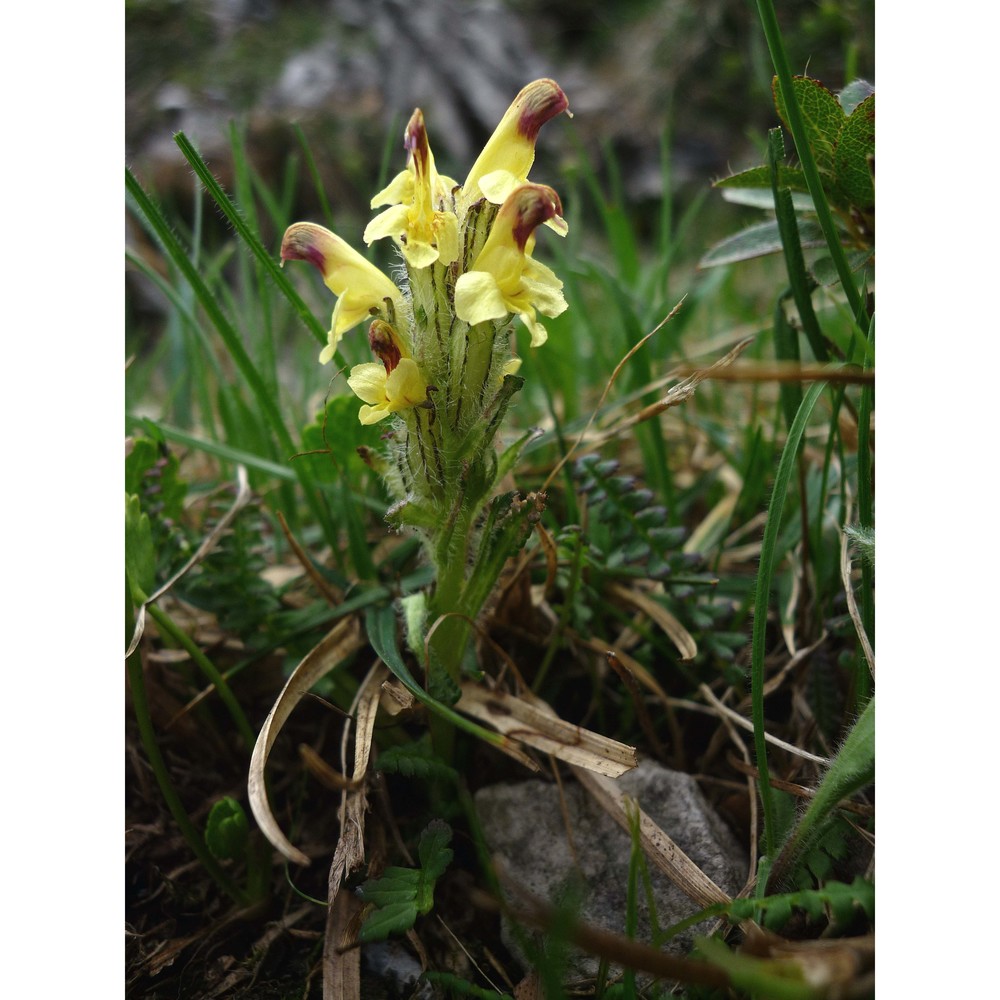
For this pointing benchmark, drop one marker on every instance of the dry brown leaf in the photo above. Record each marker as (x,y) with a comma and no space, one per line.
(341,963)
(676,632)
(350,851)
(396,697)
(336,645)
(659,848)
(536,725)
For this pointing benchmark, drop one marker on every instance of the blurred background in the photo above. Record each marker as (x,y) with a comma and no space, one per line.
(641,76)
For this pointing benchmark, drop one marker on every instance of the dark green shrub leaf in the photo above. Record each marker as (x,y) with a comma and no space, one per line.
(393,918)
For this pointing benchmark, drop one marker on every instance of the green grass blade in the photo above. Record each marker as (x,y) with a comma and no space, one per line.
(765,575)
(250,238)
(314,175)
(788,227)
(211,306)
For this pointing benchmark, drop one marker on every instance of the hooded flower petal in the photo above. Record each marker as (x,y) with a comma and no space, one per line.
(387,393)
(419,220)
(360,287)
(507,157)
(504,279)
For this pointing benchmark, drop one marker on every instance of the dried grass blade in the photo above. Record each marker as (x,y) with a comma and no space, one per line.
(852,604)
(536,725)
(661,850)
(350,851)
(339,642)
(677,394)
(677,633)
(341,962)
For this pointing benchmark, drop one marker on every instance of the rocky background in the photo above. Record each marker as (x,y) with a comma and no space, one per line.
(349,72)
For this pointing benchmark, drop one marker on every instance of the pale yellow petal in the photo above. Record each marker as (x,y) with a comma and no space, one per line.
(448,241)
(391,222)
(546,298)
(406,385)
(367,381)
(538,332)
(399,189)
(511,148)
(478,298)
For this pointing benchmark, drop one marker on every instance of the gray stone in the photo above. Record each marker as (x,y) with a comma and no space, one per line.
(525,831)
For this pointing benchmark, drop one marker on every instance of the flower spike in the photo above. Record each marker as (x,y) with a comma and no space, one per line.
(508,155)
(504,278)
(419,220)
(361,288)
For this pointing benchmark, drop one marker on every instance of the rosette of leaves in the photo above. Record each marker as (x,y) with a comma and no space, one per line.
(841,136)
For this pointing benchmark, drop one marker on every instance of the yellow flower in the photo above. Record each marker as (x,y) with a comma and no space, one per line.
(393,383)
(386,392)
(361,288)
(504,279)
(419,221)
(506,159)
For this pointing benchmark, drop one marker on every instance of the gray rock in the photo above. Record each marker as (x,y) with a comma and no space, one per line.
(525,831)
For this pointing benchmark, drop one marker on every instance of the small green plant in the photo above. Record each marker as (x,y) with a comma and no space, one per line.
(840,131)
(400,895)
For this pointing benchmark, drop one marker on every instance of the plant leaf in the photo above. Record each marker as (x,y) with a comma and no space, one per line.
(821,113)
(854,156)
(759,241)
(763,199)
(853,94)
(227,830)
(140,559)
(760,177)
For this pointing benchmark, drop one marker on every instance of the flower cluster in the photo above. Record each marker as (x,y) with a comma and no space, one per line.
(443,340)
(445,368)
